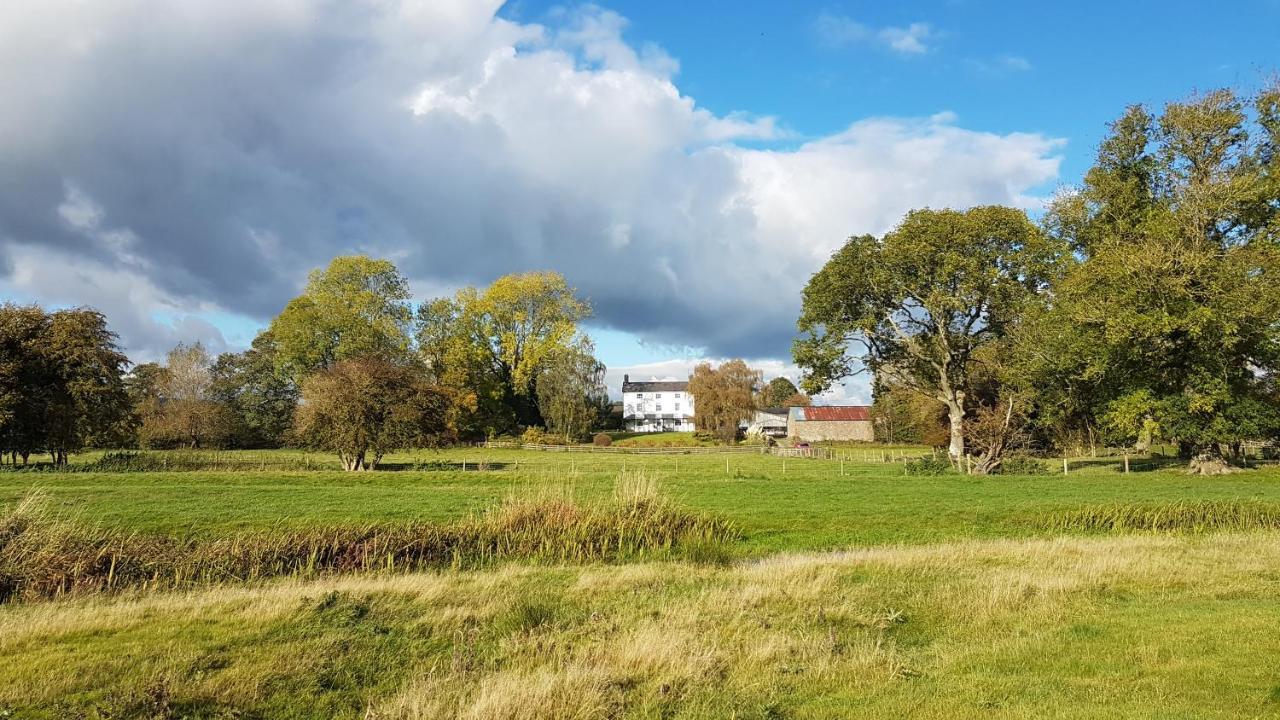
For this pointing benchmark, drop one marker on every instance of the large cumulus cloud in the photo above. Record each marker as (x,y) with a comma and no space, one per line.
(166,159)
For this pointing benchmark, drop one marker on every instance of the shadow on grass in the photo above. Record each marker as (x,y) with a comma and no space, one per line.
(1116,464)
(446,466)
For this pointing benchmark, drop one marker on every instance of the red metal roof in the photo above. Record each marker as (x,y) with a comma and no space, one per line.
(837,412)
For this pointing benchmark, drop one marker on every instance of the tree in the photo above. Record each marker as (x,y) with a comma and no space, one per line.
(781,392)
(493,345)
(186,413)
(723,397)
(920,302)
(357,307)
(61,384)
(362,409)
(89,399)
(1172,313)
(571,393)
(25,379)
(261,400)
(903,415)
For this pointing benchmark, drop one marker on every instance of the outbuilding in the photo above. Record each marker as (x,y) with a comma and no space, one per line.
(831,422)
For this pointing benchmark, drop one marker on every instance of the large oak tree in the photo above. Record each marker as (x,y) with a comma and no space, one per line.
(917,305)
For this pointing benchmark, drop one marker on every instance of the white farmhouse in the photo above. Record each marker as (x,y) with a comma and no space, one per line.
(656,406)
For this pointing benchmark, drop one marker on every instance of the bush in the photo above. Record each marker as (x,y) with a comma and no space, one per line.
(1023,465)
(537,436)
(125,461)
(928,466)
(601,440)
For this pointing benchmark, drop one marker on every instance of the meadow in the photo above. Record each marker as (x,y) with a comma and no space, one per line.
(835,588)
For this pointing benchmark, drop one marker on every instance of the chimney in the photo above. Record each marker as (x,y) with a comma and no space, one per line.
(626,379)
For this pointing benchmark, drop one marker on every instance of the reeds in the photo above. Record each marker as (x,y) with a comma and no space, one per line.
(1178,516)
(47,555)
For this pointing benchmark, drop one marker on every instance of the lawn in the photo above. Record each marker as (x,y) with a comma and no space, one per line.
(856,591)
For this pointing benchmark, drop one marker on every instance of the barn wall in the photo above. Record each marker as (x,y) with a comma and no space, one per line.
(817,430)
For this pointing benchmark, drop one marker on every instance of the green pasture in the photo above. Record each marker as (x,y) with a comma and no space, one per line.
(778,504)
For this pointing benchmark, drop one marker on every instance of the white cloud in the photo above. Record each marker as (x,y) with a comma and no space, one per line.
(1002,65)
(149,320)
(839,31)
(199,158)
(1015,63)
(908,40)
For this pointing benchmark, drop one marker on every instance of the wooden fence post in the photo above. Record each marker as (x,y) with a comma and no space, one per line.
(1126,463)
(1064,466)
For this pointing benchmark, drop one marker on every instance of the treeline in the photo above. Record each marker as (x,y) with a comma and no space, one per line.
(1143,308)
(349,366)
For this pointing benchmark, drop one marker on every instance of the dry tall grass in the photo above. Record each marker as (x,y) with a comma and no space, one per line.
(1181,515)
(1132,626)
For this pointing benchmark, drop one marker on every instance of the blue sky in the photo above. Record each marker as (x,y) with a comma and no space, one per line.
(687,166)
(1064,69)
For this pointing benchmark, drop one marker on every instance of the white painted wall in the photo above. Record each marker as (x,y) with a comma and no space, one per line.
(636,405)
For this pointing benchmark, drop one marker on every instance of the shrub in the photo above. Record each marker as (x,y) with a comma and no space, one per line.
(537,436)
(601,440)
(1023,465)
(928,466)
(534,436)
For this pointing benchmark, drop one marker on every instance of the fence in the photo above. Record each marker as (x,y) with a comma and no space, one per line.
(624,450)
(813,452)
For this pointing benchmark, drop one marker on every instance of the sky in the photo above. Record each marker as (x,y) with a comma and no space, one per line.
(181,164)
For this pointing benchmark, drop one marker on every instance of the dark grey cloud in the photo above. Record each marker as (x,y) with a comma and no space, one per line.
(192,158)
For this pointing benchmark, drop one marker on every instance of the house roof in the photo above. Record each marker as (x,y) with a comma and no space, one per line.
(661,386)
(829,413)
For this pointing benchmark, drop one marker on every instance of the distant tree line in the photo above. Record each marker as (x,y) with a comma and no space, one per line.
(348,366)
(1143,308)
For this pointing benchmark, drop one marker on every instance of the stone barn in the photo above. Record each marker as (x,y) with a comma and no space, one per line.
(831,422)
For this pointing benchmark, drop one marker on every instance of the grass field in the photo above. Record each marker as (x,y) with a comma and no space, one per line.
(856,592)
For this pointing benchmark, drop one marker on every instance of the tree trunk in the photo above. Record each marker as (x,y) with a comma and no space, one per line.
(348,461)
(955,416)
(1209,461)
(353,462)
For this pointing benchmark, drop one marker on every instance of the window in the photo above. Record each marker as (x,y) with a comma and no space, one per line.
(658,407)
(677,396)
(657,396)
(677,407)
